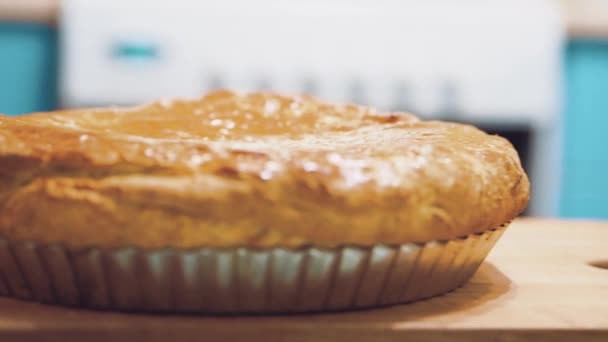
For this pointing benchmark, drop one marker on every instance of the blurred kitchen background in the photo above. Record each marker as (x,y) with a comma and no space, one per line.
(534,71)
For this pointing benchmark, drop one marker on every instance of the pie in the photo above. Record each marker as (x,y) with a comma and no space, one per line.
(256,170)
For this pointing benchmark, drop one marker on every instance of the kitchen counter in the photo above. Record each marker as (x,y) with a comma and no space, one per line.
(584,18)
(36,11)
(545,280)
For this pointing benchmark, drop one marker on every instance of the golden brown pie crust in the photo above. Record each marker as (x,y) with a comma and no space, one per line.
(255,170)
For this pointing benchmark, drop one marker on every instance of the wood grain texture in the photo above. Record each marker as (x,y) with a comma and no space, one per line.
(536,285)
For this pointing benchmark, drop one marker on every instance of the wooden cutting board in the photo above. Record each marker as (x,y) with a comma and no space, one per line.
(537,284)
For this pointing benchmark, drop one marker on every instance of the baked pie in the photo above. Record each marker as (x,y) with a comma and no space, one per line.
(235,197)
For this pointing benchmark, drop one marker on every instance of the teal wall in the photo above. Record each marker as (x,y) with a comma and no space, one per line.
(28,77)
(585,159)
(28,68)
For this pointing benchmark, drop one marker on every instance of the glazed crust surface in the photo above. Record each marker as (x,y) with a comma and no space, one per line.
(256,169)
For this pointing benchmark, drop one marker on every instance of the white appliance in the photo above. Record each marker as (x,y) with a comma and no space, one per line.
(489,62)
